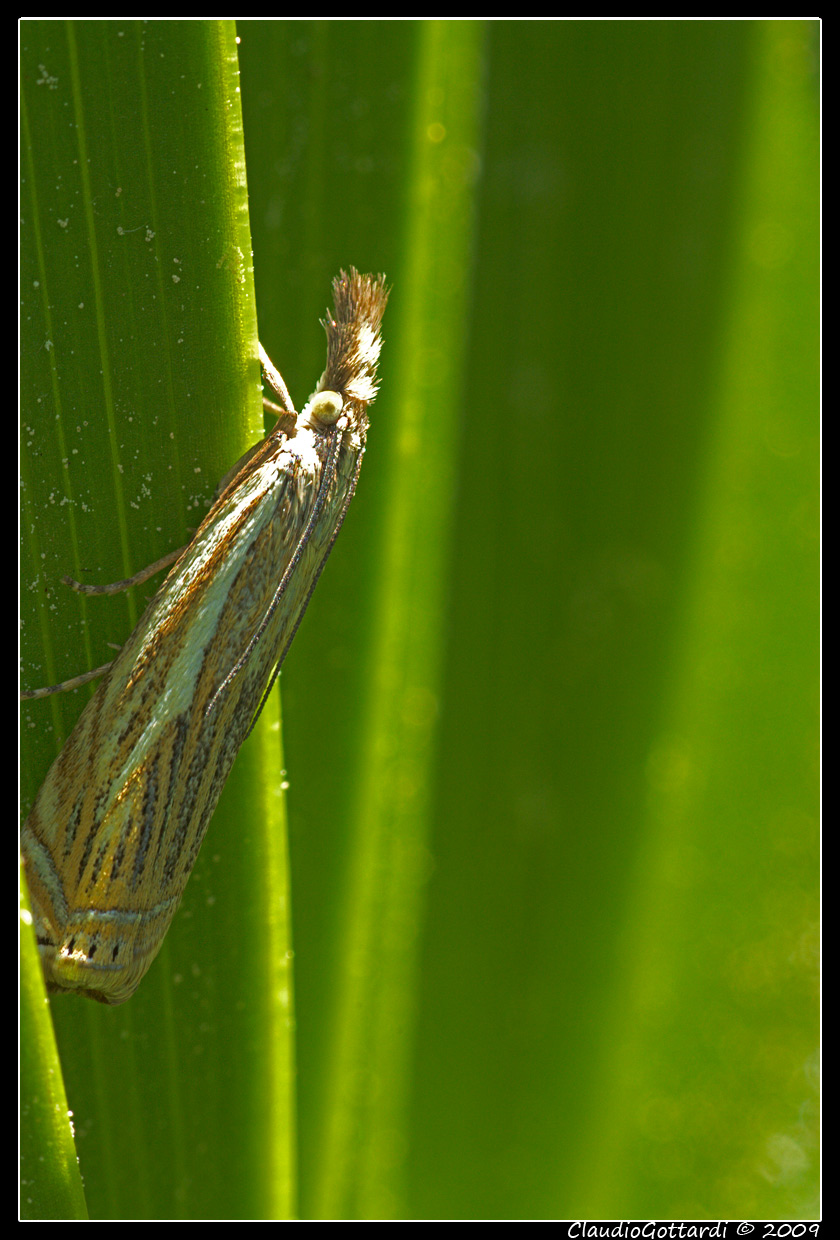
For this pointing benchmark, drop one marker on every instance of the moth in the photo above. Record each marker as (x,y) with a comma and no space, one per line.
(116,827)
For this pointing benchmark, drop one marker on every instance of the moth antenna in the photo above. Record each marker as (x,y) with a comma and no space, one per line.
(327,479)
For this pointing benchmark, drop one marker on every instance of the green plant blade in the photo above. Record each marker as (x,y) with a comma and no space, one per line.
(140,388)
(51,1187)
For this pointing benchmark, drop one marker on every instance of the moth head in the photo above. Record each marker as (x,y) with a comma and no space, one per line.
(354,341)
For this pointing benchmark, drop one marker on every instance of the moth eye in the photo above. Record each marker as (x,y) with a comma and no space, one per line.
(325,407)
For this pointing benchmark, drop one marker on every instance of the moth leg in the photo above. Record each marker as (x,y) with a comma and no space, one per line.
(285,413)
(75,682)
(275,381)
(116,587)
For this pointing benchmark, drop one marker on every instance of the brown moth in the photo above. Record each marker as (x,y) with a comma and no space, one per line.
(116,827)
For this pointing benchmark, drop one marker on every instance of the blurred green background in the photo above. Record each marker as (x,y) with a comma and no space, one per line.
(551,722)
